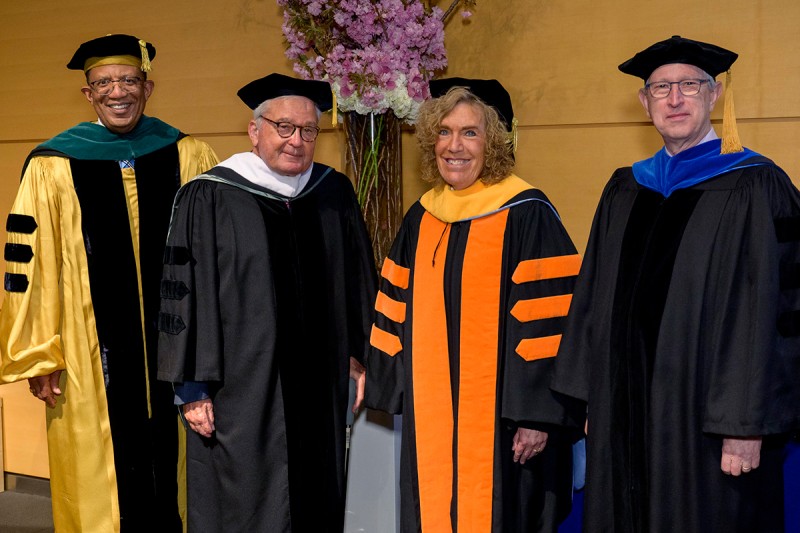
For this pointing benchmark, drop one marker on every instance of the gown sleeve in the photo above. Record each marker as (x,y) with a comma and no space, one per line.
(543,264)
(30,321)
(386,372)
(196,157)
(587,325)
(190,339)
(360,279)
(753,372)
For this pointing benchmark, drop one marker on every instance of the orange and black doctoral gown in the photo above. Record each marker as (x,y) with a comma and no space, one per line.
(468,320)
(265,298)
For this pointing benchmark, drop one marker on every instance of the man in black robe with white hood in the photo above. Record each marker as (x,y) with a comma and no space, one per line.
(267,294)
(684,331)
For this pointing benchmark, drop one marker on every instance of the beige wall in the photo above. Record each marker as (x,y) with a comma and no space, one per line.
(579,117)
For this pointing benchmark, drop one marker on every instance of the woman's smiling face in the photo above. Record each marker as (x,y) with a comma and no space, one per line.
(460,148)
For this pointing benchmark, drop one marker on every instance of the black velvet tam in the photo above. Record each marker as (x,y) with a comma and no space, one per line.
(110,45)
(491,92)
(274,85)
(711,58)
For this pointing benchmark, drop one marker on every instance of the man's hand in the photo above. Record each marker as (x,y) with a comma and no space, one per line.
(741,455)
(527,443)
(358,374)
(46,388)
(200,416)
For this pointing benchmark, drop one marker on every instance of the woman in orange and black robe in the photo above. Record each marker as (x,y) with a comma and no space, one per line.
(469,316)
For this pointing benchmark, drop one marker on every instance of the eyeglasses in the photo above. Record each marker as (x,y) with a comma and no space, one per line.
(287,129)
(104,86)
(661,89)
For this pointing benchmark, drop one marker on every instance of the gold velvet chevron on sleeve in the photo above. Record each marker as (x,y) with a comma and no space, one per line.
(50,326)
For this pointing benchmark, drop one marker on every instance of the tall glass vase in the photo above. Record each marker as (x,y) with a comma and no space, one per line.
(373,154)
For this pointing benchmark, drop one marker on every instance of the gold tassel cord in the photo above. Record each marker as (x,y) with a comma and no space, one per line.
(334,115)
(146,66)
(513,135)
(730,133)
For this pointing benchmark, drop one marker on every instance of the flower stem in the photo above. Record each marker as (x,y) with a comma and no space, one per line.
(368,177)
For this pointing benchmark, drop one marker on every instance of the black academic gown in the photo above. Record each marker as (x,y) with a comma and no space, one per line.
(684,329)
(468,320)
(265,298)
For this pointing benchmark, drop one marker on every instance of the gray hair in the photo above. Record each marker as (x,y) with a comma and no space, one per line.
(264,106)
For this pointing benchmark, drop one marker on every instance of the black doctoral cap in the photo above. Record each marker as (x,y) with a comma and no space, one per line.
(274,85)
(708,57)
(118,49)
(491,92)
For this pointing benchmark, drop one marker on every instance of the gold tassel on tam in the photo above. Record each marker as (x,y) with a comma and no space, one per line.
(730,134)
(334,115)
(513,135)
(146,67)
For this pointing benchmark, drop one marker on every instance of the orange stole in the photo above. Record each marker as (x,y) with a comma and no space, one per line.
(480,312)
(433,402)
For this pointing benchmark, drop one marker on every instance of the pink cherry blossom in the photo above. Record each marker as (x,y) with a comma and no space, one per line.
(377,54)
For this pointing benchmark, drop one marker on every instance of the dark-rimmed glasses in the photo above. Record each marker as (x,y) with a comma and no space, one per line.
(287,129)
(104,86)
(661,89)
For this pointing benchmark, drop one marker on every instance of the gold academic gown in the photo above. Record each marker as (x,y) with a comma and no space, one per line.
(51,326)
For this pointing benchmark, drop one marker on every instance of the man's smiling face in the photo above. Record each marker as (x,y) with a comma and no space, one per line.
(121,109)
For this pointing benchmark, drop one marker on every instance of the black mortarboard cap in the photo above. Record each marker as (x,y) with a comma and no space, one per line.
(113,49)
(491,92)
(711,58)
(274,85)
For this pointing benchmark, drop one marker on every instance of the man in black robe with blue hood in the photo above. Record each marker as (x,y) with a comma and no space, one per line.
(266,307)
(684,332)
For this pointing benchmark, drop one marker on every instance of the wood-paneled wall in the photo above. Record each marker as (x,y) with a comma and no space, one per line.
(579,116)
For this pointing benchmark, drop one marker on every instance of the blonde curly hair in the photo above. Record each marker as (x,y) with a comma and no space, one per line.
(498,153)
